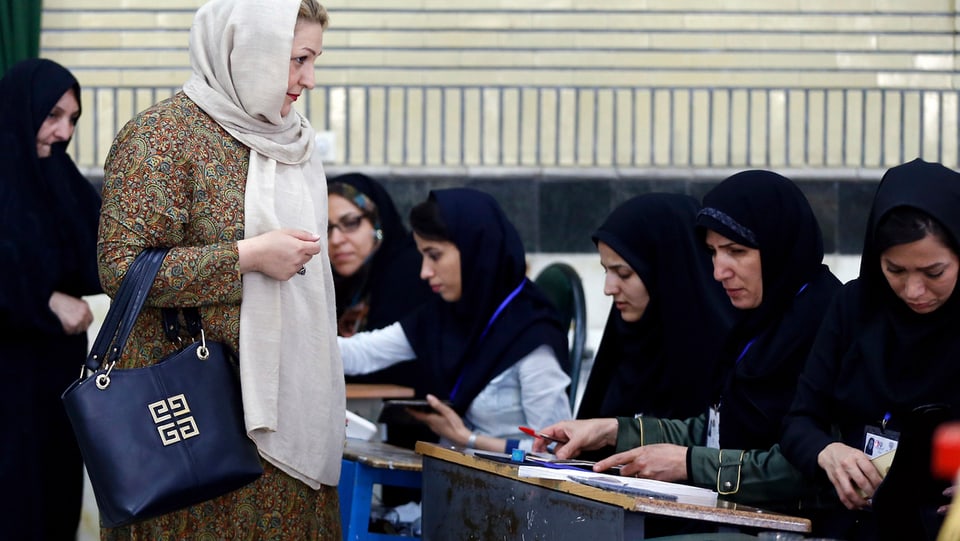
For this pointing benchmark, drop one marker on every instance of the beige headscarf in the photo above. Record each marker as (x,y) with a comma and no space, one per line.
(290,367)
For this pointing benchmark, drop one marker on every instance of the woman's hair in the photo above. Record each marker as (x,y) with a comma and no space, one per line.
(426,222)
(904,225)
(313,12)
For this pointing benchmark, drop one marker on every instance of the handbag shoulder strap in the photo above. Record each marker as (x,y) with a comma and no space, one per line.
(119,303)
(147,273)
(125,307)
(171,322)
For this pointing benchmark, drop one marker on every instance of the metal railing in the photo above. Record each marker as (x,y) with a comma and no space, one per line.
(587,126)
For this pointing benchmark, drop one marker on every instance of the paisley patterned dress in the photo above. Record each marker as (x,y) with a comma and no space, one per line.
(175,178)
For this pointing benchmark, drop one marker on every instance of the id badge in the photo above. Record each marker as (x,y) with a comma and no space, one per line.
(877,441)
(713,428)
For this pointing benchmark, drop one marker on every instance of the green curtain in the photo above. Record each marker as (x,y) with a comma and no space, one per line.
(19,31)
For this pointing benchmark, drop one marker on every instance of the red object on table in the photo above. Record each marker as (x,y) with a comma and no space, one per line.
(945,462)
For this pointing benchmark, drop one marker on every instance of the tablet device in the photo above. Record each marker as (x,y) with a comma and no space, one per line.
(395,411)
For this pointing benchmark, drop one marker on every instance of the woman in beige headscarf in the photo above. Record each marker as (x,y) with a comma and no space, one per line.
(224,173)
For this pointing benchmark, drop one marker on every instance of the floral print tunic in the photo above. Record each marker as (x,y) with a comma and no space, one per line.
(175,178)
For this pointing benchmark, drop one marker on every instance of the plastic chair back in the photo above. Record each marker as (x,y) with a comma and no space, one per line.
(562,285)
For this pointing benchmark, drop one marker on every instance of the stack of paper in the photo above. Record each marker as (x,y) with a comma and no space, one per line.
(682,493)
(359,428)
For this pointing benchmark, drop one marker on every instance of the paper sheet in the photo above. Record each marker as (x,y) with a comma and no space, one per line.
(684,493)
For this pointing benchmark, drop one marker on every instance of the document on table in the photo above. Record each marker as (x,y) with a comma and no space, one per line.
(657,489)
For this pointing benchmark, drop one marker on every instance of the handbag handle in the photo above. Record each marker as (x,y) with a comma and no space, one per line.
(148,273)
(118,305)
(125,307)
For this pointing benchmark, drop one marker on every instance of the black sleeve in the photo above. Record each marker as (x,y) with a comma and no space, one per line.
(807,427)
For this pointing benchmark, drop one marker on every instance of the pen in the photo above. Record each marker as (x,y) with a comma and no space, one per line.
(531,432)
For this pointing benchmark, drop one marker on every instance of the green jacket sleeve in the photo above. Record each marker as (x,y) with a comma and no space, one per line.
(646,430)
(756,477)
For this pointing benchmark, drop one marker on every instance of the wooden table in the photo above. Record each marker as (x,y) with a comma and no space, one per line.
(461,494)
(366,399)
(382,455)
(368,463)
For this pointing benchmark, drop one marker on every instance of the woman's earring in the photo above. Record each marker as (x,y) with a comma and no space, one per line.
(378,234)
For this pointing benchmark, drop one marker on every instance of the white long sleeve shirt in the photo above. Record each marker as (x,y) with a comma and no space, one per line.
(532,392)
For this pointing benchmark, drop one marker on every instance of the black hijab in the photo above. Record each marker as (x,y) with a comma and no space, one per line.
(767,348)
(48,210)
(907,359)
(456,357)
(389,281)
(908,364)
(665,364)
(877,357)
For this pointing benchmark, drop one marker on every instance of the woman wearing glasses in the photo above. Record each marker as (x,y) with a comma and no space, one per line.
(376,273)
(375,262)
(489,341)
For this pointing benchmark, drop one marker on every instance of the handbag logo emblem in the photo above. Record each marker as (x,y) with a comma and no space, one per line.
(173,421)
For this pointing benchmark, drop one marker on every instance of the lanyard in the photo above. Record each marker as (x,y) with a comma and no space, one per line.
(486,329)
(746,348)
(500,308)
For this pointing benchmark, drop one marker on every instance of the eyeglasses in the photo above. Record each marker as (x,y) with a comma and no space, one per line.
(347,224)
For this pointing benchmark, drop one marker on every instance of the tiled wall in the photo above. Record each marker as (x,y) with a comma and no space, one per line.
(556,212)
(793,44)
(613,83)
(788,43)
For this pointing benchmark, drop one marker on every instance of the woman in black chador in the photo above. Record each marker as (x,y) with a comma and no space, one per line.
(886,365)
(48,261)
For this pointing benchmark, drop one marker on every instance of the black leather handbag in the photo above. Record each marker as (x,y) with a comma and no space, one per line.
(163,437)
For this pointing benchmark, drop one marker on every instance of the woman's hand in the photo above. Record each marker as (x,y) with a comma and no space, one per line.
(444,423)
(279,254)
(581,435)
(853,475)
(948,492)
(660,461)
(74,314)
